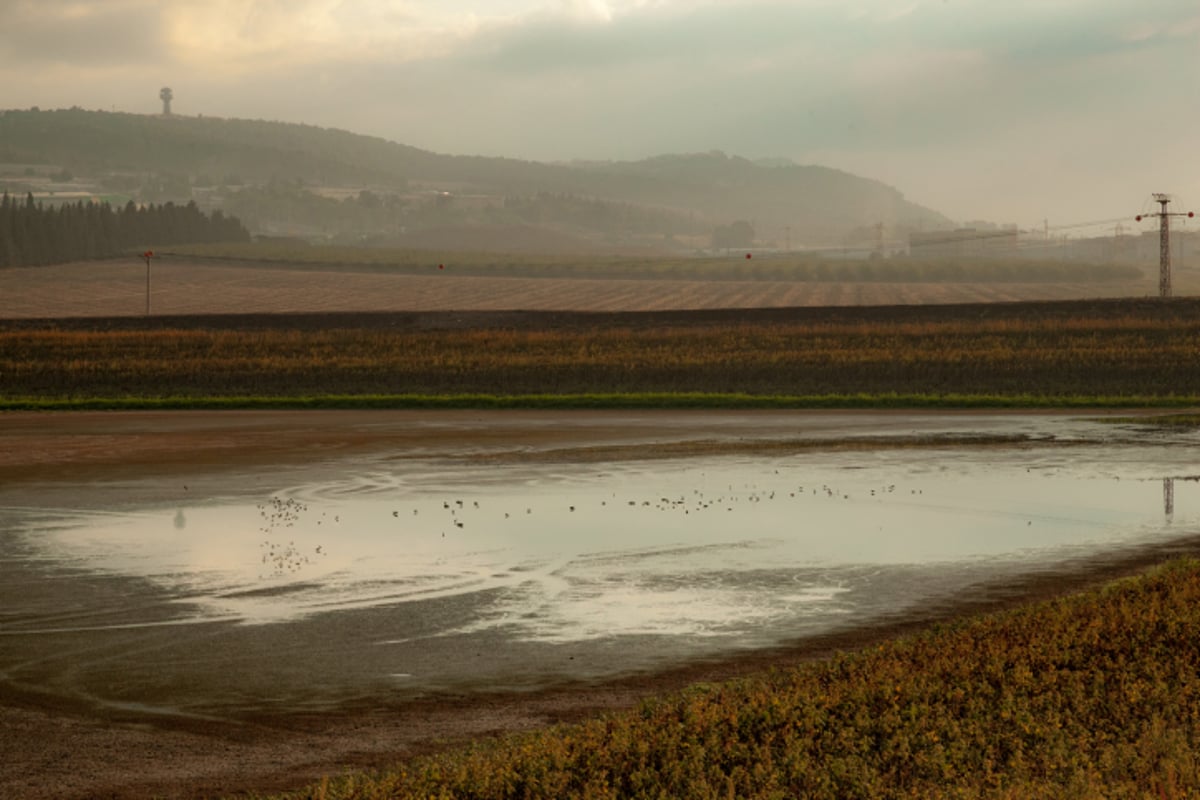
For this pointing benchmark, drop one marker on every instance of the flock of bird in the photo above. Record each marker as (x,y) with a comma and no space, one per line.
(287,558)
(283,559)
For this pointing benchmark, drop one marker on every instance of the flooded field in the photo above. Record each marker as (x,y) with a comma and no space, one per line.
(488,553)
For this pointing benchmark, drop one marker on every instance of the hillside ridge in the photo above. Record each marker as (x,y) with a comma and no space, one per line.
(273,174)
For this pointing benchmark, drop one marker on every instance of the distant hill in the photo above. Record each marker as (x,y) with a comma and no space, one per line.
(304,180)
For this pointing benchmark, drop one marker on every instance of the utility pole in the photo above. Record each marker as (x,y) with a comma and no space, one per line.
(1164,241)
(149,254)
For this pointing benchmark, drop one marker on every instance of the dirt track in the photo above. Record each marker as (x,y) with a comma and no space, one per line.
(1180,308)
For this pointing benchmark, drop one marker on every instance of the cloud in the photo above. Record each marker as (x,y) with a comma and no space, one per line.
(936,95)
(82,35)
(244,36)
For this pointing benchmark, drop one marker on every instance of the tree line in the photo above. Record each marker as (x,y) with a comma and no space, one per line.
(33,234)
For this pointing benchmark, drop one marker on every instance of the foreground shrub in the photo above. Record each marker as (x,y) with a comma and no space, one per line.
(1092,695)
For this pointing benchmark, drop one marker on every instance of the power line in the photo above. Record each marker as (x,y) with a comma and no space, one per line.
(1096,223)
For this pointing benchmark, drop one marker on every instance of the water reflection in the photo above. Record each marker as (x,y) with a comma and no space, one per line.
(378,576)
(700,548)
(1169,493)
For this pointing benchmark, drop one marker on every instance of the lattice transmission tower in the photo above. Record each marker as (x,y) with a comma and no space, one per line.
(1164,240)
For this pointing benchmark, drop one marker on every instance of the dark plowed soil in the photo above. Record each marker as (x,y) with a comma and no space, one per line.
(1151,308)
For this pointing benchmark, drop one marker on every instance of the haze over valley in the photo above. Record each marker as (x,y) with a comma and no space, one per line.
(593,124)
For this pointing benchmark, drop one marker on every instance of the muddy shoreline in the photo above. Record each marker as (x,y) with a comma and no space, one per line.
(57,746)
(56,749)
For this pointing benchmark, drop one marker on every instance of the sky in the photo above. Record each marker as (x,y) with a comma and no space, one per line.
(1035,112)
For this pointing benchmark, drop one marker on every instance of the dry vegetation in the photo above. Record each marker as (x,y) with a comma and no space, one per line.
(1093,695)
(1115,349)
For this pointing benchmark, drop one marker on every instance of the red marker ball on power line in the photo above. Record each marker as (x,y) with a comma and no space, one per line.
(441,266)
(747,255)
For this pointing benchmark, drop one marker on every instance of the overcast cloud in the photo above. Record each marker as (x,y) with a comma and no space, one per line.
(1071,110)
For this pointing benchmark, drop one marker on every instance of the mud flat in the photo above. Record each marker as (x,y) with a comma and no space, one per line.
(171,629)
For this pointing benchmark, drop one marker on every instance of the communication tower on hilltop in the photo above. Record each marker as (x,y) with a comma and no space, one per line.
(1164,241)
(166,95)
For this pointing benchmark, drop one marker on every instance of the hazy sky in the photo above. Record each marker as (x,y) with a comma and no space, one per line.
(1014,111)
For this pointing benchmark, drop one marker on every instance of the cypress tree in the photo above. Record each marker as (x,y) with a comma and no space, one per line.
(33,234)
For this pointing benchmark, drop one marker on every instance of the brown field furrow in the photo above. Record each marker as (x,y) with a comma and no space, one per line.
(501,294)
(749,295)
(973,294)
(622,297)
(879,294)
(821,295)
(117,288)
(839,294)
(617,298)
(892,293)
(681,294)
(786,294)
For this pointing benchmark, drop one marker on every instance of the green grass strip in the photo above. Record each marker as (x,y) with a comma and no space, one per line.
(700,400)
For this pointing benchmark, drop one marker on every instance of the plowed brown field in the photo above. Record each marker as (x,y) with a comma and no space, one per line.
(180,287)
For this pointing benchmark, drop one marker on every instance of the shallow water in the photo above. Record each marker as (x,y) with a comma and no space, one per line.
(404,576)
